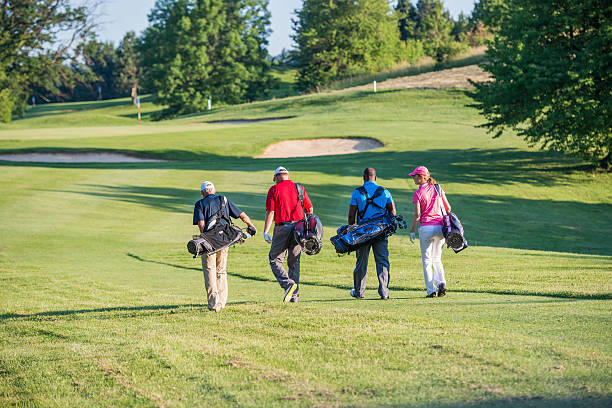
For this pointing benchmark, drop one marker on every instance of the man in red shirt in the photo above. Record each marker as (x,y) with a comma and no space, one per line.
(283,205)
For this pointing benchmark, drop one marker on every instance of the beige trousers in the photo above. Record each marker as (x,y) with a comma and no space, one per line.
(215,279)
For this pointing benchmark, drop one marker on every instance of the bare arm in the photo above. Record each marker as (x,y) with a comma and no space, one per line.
(416,216)
(268,223)
(447,206)
(201,226)
(351,214)
(245,218)
(391,208)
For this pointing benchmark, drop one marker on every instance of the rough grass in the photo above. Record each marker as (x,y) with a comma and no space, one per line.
(101,305)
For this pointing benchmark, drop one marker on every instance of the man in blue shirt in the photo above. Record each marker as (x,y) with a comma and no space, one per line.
(214,265)
(380,202)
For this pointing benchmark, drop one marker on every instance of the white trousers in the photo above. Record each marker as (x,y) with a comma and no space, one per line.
(432,241)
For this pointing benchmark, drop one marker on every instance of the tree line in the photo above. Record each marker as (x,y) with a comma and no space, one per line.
(549,59)
(193,49)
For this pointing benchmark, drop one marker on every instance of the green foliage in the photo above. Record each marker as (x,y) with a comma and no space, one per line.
(339,38)
(127,60)
(434,29)
(30,45)
(407,19)
(432,26)
(6,105)
(550,61)
(196,49)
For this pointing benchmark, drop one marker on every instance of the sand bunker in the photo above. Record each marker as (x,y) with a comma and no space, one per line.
(74,157)
(319,147)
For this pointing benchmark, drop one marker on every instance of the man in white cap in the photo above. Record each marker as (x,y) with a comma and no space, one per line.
(284,207)
(214,265)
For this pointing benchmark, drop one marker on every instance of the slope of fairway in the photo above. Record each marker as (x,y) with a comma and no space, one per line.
(101,305)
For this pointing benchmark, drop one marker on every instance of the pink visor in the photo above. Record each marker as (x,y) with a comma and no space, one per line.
(420,170)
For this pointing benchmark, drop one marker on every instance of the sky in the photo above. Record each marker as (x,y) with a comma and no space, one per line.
(121,16)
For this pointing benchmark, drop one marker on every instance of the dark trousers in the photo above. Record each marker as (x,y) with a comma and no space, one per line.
(381,256)
(284,245)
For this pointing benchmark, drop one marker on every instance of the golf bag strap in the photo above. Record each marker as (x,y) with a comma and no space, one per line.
(300,193)
(439,197)
(369,200)
(220,214)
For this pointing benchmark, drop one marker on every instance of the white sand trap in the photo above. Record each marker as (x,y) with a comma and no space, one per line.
(319,147)
(74,157)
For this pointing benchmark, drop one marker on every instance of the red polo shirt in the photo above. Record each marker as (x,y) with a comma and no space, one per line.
(283,200)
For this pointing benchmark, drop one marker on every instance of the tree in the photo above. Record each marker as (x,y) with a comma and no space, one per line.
(433,28)
(338,38)
(550,61)
(30,45)
(100,68)
(195,48)
(127,65)
(407,20)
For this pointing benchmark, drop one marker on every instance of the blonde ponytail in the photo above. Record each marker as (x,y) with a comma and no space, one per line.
(431,181)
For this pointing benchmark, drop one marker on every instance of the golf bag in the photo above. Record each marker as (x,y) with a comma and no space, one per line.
(217,237)
(451,228)
(351,237)
(309,231)
(309,234)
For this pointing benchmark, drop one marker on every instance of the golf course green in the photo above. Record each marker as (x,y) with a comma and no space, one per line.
(101,304)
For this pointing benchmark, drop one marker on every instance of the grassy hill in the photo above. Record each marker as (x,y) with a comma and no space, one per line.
(101,305)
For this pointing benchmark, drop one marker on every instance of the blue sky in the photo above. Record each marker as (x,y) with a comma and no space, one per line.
(121,16)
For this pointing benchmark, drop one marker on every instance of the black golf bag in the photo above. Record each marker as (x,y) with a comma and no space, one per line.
(217,237)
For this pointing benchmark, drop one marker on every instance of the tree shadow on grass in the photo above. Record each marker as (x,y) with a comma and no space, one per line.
(394,289)
(52,313)
(495,221)
(498,221)
(483,166)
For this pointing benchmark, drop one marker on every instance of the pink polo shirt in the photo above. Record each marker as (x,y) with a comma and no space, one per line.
(426,196)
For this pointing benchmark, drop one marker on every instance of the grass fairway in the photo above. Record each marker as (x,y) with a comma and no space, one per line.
(101,305)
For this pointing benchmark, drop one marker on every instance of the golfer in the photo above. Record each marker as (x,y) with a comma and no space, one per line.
(428,212)
(214,265)
(381,201)
(284,207)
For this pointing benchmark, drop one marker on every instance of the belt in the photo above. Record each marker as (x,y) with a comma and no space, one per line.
(284,223)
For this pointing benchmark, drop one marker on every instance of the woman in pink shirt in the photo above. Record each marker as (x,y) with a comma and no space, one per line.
(427,211)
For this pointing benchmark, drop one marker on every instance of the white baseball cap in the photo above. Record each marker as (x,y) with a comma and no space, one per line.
(280,170)
(207,185)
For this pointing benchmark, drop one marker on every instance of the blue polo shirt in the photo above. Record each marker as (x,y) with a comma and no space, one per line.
(373,211)
(209,206)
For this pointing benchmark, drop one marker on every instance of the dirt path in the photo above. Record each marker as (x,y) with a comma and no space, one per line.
(447,78)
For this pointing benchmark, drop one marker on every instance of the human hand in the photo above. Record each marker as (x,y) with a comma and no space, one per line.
(268,238)
(412,236)
(252,231)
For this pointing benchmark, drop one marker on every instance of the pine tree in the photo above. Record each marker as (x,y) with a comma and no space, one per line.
(407,18)
(127,68)
(434,29)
